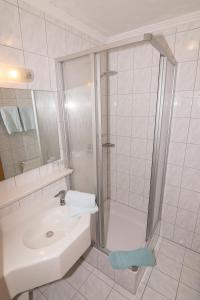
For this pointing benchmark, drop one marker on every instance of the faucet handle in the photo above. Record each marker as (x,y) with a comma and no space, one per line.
(60,193)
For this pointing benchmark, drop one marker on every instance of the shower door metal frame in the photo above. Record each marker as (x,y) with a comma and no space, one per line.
(159,43)
(156,146)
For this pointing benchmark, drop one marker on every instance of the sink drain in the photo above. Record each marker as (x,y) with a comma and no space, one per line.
(49,234)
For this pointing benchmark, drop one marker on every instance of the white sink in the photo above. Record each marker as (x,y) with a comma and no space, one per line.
(41,247)
(49,227)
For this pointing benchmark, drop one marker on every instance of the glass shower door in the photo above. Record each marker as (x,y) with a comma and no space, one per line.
(161,143)
(80,122)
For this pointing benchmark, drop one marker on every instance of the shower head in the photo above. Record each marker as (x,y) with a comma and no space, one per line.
(109,73)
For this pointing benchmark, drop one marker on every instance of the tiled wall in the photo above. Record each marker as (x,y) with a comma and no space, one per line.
(30,38)
(181,211)
(132,106)
(44,196)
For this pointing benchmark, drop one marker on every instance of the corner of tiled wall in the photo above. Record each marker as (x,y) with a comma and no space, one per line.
(31,40)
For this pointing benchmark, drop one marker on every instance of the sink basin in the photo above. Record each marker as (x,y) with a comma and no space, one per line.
(49,228)
(40,247)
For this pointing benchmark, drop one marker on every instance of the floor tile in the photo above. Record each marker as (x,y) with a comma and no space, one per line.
(168,266)
(190,278)
(124,292)
(104,277)
(192,260)
(150,294)
(163,284)
(116,296)
(60,290)
(172,250)
(78,296)
(37,295)
(186,293)
(95,289)
(77,276)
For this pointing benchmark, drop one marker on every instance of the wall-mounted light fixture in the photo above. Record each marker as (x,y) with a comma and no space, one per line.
(15,74)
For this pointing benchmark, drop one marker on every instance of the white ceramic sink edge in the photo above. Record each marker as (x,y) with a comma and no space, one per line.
(29,263)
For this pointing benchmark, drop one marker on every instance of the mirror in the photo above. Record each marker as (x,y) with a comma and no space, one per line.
(28,130)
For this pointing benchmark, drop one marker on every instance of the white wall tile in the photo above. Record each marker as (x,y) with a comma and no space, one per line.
(190,179)
(124,126)
(186,219)
(194,131)
(189,200)
(143,56)
(183,104)
(196,105)
(187,45)
(183,237)
(125,58)
(141,105)
(33,33)
(11,56)
(169,213)
(142,80)
(186,75)
(173,176)
(179,131)
(140,127)
(167,230)
(192,158)
(176,153)
(197,82)
(40,67)
(10,27)
(124,82)
(123,145)
(56,36)
(171,195)
(124,105)
(138,147)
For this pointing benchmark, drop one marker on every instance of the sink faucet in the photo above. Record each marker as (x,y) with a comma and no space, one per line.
(61,194)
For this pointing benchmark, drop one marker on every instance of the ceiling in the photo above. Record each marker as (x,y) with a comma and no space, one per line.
(112,17)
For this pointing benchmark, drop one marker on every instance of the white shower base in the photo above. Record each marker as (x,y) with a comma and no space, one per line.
(125,227)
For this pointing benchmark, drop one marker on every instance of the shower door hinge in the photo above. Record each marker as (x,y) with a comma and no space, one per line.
(108,145)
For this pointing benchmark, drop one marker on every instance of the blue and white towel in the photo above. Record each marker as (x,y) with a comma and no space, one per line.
(11,119)
(80,203)
(27,117)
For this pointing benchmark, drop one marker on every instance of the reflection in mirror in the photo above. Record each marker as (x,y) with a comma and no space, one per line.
(28,130)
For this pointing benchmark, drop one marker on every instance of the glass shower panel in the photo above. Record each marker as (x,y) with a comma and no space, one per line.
(79,108)
(128,111)
(164,107)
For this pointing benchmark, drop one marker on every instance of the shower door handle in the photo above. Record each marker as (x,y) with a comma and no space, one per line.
(108,145)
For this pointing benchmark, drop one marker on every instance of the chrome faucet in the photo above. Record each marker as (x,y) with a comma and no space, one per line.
(61,194)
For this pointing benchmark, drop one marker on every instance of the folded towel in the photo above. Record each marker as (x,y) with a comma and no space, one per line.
(125,259)
(11,119)
(81,203)
(27,117)
(78,199)
(78,211)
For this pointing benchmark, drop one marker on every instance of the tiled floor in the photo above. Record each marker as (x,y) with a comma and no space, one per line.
(176,276)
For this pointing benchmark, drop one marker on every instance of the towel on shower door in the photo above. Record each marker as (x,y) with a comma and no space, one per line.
(138,258)
(80,203)
(27,117)
(11,119)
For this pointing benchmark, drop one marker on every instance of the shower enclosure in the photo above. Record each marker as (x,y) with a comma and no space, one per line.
(117,105)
